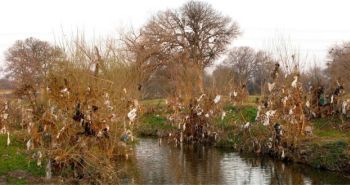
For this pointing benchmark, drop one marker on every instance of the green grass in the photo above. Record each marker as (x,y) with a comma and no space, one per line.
(154,121)
(330,156)
(330,133)
(158,102)
(325,123)
(240,114)
(327,129)
(14,157)
(250,101)
(150,124)
(15,181)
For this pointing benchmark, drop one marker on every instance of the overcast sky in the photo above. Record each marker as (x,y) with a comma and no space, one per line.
(311,25)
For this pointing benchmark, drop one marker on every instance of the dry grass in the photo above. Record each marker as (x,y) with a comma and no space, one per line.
(6,91)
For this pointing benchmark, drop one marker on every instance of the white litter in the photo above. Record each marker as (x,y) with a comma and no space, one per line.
(29,144)
(246,125)
(332,99)
(223,114)
(132,114)
(200,98)
(268,114)
(270,86)
(217,99)
(48,170)
(8,139)
(295,81)
(258,113)
(307,104)
(344,106)
(40,155)
(235,93)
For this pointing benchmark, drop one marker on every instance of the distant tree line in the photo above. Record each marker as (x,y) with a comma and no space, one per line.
(171,52)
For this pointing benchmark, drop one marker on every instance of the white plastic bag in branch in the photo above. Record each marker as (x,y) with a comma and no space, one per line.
(132,114)
(217,99)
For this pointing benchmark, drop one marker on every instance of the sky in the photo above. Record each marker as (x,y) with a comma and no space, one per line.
(312,26)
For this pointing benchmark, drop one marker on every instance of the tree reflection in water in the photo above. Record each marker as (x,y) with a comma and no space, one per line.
(170,164)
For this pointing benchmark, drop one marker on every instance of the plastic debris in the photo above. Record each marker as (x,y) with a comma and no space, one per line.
(295,81)
(223,114)
(217,99)
(8,139)
(270,86)
(246,125)
(132,114)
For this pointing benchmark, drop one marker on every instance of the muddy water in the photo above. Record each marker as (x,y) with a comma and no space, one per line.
(169,164)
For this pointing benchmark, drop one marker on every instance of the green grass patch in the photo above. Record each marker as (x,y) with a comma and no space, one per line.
(330,133)
(154,120)
(15,181)
(249,113)
(324,123)
(241,114)
(331,156)
(14,157)
(151,123)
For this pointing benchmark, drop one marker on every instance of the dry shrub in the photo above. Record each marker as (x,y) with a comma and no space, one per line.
(4,115)
(284,104)
(195,118)
(81,115)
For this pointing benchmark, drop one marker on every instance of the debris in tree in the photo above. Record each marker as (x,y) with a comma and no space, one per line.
(8,139)
(132,114)
(217,99)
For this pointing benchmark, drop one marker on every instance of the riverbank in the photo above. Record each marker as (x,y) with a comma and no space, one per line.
(327,148)
(167,163)
(14,165)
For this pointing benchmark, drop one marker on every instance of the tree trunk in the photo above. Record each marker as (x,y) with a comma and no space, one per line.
(200,70)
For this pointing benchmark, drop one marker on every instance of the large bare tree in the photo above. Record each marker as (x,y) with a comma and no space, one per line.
(338,66)
(242,59)
(195,34)
(29,61)
(249,67)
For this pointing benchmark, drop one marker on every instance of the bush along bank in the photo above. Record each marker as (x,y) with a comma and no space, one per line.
(326,148)
(331,155)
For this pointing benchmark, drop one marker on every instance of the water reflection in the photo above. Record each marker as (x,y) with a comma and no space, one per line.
(169,164)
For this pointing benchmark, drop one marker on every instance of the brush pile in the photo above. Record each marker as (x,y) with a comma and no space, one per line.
(238,95)
(332,102)
(282,108)
(196,119)
(78,123)
(4,115)
(4,120)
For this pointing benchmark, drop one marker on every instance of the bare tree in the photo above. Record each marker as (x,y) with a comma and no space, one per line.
(338,66)
(249,67)
(265,64)
(195,34)
(243,61)
(314,77)
(29,61)
(288,55)
(223,79)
